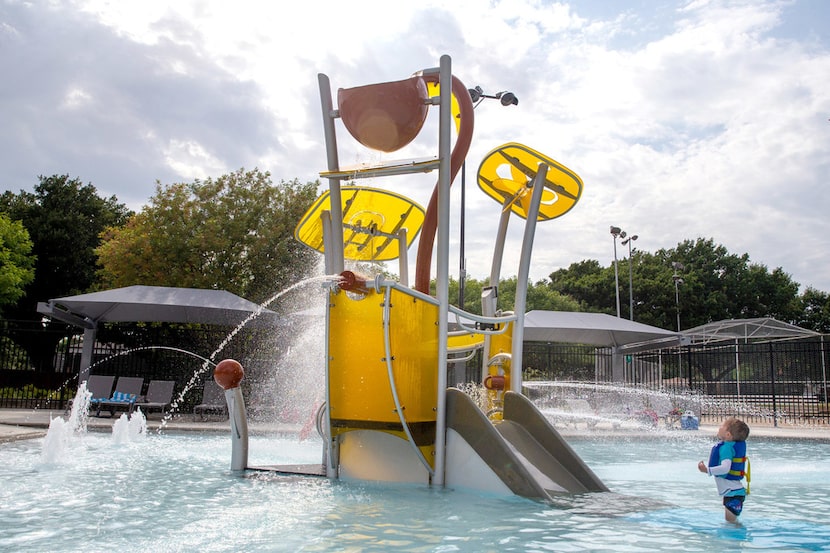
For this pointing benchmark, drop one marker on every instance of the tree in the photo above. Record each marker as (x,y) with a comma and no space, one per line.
(719,285)
(539,295)
(715,285)
(233,233)
(16,260)
(64,219)
(815,310)
(587,283)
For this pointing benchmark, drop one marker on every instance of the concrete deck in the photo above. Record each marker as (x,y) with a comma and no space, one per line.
(25,424)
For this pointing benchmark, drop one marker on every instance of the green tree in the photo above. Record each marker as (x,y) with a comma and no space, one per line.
(713,285)
(815,310)
(64,218)
(539,295)
(17,264)
(233,233)
(719,285)
(589,284)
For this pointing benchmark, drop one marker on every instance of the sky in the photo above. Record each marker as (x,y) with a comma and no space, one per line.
(685,119)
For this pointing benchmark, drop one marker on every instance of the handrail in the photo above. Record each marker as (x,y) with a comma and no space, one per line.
(381,283)
(387,315)
(466,357)
(318,422)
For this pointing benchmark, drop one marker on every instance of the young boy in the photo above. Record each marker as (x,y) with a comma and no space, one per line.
(728,464)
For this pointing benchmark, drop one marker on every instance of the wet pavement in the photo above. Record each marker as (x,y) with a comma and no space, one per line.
(24,424)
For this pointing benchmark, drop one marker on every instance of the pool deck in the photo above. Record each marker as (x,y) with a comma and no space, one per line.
(25,424)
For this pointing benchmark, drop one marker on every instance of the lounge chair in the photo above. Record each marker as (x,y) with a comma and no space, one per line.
(213,400)
(126,393)
(99,385)
(159,396)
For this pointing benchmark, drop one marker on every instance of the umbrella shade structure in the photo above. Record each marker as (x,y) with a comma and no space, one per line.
(153,304)
(162,304)
(590,328)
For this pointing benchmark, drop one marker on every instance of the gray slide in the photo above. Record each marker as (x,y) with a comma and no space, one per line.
(524,449)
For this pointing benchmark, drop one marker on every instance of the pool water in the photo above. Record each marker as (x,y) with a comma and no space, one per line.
(175,493)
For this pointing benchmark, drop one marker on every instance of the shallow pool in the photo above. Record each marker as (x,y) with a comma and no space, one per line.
(175,493)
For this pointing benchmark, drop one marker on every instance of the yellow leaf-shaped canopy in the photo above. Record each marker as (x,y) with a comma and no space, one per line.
(371,220)
(507,171)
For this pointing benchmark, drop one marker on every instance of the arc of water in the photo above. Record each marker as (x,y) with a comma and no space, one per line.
(222,345)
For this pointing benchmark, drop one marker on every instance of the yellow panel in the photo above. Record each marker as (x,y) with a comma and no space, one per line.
(434,89)
(370,217)
(506,172)
(359,388)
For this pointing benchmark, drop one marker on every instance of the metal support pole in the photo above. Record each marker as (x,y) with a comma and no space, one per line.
(616,277)
(329,115)
(462,263)
(442,285)
(517,345)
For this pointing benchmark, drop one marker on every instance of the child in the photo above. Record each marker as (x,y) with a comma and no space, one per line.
(728,464)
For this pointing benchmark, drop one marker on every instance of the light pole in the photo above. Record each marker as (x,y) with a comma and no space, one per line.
(617,232)
(477,95)
(630,276)
(677,266)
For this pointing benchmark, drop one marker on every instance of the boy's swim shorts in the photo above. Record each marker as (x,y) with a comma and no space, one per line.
(734,504)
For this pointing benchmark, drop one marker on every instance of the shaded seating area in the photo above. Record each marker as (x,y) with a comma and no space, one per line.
(159,396)
(127,392)
(213,401)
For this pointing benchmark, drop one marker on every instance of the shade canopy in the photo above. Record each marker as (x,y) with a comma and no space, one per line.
(154,304)
(591,328)
(747,330)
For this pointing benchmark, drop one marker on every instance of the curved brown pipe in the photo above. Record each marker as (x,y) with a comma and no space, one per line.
(459,153)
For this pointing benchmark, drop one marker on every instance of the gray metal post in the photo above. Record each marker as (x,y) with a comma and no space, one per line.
(442,280)
(336,244)
(86,353)
(520,304)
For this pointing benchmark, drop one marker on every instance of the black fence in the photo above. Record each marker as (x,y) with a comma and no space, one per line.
(780,382)
(40,364)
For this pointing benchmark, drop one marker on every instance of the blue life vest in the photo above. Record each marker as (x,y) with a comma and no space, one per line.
(738,469)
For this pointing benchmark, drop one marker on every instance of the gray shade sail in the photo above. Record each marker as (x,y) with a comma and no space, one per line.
(747,330)
(154,304)
(590,328)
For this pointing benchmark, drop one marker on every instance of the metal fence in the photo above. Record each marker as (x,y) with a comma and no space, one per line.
(33,378)
(779,382)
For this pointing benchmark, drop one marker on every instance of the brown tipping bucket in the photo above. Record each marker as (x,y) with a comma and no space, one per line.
(384,116)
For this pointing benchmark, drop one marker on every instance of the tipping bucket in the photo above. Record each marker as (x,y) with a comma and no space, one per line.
(384,116)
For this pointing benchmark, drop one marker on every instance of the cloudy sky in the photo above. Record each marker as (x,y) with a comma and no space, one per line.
(685,119)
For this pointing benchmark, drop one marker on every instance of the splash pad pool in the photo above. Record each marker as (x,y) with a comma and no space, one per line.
(174,492)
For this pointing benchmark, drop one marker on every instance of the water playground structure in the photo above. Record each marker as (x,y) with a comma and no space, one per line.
(389,414)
